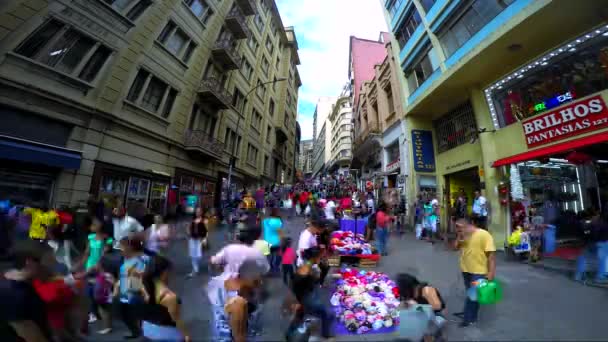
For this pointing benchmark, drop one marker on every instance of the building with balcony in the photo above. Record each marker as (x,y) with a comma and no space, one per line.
(489,87)
(138,102)
(305,160)
(341,119)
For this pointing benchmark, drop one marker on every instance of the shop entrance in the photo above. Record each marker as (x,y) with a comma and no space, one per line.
(563,189)
(466,182)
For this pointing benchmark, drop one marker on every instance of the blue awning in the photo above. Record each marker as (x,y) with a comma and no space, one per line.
(33,152)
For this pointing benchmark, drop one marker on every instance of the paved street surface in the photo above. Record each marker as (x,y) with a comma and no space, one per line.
(537,304)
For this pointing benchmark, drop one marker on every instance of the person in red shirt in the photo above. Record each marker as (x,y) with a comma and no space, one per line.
(288,259)
(383,220)
(58,297)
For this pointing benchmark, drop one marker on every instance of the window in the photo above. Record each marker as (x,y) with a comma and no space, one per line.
(246,69)
(252,155)
(62,48)
(253,44)
(271,108)
(131,9)
(201,9)
(201,120)
(422,70)
(389,99)
(476,16)
(394,7)
(266,164)
(265,66)
(238,100)
(455,128)
(152,94)
(177,41)
(274,84)
(269,45)
(407,27)
(256,120)
(232,142)
(258,22)
(427,4)
(261,90)
(278,63)
(268,133)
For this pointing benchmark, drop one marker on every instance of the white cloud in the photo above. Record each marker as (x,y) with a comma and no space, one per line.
(323,28)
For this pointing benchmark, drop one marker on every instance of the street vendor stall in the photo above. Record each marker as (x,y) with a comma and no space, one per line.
(350,248)
(365,302)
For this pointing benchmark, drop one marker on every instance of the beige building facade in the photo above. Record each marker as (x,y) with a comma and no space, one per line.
(379,135)
(138,102)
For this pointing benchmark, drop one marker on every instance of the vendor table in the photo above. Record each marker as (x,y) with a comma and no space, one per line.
(355,226)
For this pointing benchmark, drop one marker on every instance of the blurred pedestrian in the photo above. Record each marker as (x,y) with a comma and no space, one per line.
(130,285)
(288,259)
(273,232)
(197,237)
(161,311)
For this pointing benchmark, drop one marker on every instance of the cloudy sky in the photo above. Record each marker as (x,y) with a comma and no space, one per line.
(323,28)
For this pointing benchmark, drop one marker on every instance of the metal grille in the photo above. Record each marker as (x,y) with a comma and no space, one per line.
(455,128)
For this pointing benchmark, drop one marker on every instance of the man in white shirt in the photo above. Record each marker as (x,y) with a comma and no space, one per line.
(330,210)
(124,226)
(480,211)
(308,238)
(370,204)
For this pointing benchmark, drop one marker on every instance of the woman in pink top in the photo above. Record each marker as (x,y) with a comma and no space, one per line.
(289,257)
(382,221)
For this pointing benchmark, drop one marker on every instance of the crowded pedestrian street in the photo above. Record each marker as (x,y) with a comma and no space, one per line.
(303,170)
(532,310)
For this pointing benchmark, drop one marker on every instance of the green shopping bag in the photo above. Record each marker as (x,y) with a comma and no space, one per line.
(489,292)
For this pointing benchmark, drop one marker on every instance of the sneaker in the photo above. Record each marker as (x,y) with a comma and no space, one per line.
(466,324)
(105,331)
(92,318)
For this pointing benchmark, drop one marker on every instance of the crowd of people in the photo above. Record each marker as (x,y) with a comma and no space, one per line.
(125,266)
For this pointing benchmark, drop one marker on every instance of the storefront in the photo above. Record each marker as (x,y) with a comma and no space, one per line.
(553,112)
(139,191)
(194,190)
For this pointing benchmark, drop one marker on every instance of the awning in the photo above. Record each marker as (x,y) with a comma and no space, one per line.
(553,149)
(33,152)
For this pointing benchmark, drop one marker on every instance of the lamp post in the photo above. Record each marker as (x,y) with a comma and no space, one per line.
(238,125)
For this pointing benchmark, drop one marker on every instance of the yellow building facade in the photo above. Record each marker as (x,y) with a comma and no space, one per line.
(477,74)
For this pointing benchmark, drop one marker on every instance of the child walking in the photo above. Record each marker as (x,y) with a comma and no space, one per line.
(288,255)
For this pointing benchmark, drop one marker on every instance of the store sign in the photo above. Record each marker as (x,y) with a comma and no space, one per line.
(393,166)
(576,118)
(554,102)
(424,153)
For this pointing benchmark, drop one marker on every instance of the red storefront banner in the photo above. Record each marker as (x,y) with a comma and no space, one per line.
(578,117)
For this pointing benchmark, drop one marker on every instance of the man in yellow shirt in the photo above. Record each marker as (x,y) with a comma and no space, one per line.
(477,261)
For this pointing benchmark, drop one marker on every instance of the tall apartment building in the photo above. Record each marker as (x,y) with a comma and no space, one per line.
(319,152)
(142,102)
(322,133)
(306,157)
(490,87)
(341,118)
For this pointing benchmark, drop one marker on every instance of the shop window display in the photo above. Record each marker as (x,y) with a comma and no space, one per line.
(575,73)
(112,191)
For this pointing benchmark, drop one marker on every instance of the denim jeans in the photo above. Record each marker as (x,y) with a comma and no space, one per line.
(471,308)
(275,260)
(381,239)
(597,250)
(313,306)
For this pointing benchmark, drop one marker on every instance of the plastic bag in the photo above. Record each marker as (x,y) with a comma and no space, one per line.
(489,292)
(524,244)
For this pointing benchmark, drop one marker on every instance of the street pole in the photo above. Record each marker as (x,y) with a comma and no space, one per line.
(238,125)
